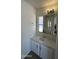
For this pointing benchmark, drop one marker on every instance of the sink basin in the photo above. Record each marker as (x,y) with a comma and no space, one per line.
(42,39)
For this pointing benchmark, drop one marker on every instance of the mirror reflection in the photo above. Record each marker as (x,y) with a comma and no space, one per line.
(48,23)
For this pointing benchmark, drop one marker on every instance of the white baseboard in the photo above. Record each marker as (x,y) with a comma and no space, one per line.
(22,56)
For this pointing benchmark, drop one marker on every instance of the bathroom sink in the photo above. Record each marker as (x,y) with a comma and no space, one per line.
(41,39)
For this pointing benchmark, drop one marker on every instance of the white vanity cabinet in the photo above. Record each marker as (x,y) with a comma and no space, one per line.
(42,50)
(51,53)
(46,52)
(35,47)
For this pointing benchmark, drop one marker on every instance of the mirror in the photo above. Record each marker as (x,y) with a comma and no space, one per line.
(46,23)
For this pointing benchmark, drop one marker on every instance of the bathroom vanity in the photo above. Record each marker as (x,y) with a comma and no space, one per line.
(43,47)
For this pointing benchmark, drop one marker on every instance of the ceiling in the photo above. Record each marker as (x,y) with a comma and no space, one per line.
(42,3)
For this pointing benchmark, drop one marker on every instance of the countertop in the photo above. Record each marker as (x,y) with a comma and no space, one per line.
(44,41)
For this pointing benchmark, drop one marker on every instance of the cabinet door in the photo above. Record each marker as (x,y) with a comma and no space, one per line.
(51,53)
(34,46)
(43,52)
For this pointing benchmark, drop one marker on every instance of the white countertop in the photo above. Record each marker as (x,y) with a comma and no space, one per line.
(47,42)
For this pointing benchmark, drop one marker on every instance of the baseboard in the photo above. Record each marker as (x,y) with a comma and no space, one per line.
(22,56)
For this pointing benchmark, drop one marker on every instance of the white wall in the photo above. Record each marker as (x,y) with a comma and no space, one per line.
(28,21)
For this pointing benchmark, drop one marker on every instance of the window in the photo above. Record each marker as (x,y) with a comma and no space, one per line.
(40,24)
